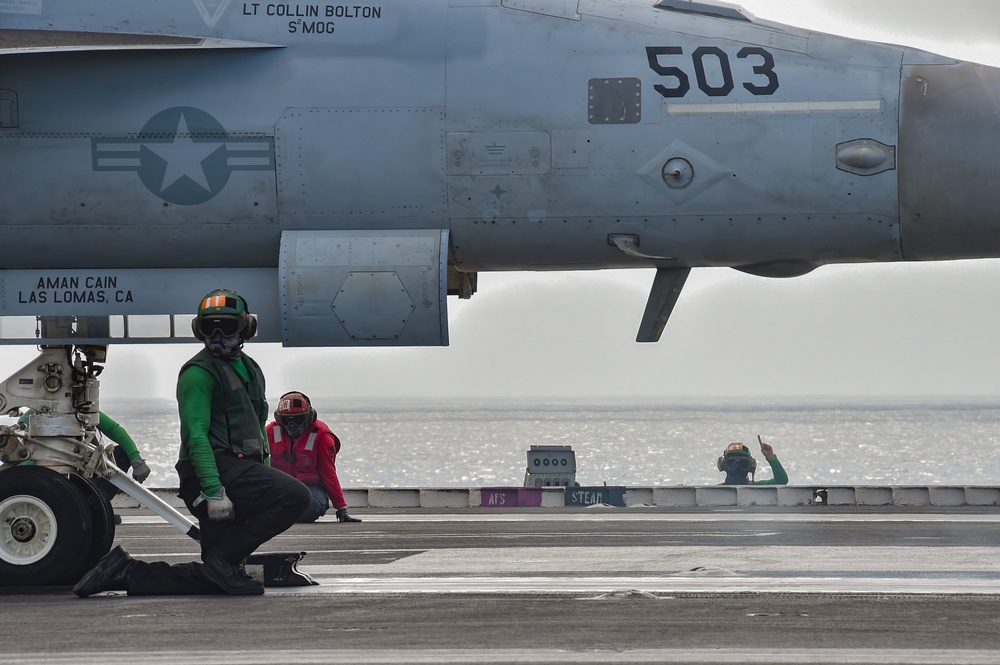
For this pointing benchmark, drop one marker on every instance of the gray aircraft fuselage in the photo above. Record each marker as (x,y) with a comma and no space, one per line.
(345,166)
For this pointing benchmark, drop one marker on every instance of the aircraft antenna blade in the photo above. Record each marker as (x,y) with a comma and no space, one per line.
(663,296)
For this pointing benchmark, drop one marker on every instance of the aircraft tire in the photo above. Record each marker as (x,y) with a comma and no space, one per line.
(102,518)
(44,528)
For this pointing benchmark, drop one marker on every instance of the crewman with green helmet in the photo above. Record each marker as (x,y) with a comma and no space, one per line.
(226,480)
(738,464)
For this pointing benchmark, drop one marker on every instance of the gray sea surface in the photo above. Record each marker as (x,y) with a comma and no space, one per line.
(643,442)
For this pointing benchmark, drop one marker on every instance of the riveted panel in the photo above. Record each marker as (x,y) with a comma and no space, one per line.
(363,288)
(378,161)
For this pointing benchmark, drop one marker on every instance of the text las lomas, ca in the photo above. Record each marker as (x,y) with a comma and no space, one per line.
(73,290)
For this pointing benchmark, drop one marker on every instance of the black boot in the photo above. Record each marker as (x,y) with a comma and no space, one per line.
(342,516)
(229,578)
(110,574)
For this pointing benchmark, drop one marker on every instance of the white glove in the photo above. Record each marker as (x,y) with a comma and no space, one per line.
(140,470)
(220,508)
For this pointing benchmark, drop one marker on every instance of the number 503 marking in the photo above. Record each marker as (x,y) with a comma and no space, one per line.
(765,83)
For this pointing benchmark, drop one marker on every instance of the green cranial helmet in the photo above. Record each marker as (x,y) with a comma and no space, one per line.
(223,301)
(226,312)
(736,458)
(736,449)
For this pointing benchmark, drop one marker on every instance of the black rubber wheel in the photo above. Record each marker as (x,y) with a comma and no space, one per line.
(44,528)
(102,519)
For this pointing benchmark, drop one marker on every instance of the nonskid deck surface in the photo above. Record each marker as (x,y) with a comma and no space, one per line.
(722,585)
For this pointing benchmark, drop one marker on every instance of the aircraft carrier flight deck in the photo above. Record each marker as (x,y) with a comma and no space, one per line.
(598,584)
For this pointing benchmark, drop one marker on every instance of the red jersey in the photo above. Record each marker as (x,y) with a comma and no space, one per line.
(311,458)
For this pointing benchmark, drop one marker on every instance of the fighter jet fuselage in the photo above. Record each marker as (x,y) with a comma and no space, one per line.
(348,165)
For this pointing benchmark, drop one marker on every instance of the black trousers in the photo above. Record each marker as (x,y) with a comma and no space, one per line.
(266,502)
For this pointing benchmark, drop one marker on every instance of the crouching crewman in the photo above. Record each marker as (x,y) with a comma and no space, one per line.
(305,447)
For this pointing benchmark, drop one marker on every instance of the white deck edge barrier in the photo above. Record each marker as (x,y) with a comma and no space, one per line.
(670,497)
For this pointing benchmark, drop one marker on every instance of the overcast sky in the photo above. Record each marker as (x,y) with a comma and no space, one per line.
(884,330)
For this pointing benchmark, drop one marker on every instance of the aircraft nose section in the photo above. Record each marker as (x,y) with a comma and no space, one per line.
(948,159)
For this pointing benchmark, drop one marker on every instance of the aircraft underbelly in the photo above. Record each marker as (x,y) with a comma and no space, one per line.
(683,240)
(544,173)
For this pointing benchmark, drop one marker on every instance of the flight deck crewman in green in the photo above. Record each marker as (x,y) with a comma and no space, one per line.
(737,463)
(226,480)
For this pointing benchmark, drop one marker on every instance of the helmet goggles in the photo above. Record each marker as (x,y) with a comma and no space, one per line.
(738,464)
(227,325)
(293,423)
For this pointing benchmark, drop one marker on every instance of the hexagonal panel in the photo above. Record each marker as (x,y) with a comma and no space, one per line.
(373,305)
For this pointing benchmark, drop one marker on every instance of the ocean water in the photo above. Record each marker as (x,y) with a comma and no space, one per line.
(476,443)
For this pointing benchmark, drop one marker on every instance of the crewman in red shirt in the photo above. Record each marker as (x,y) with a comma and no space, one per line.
(305,447)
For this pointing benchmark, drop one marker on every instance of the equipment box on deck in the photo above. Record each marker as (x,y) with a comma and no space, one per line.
(550,466)
(511,497)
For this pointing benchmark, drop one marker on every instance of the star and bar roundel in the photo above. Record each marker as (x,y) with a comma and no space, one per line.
(183,155)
